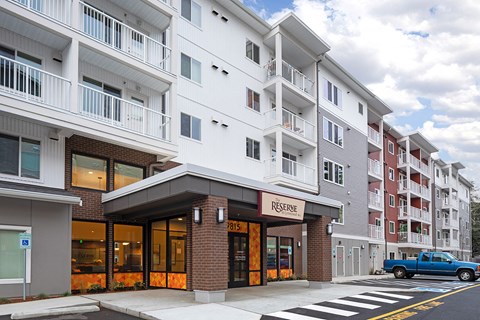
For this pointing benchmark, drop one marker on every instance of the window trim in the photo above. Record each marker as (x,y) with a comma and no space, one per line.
(29,255)
(334,163)
(19,177)
(190,65)
(326,93)
(107,186)
(392,145)
(253,51)
(190,20)
(390,228)
(391,170)
(253,92)
(253,148)
(334,221)
(333,132)
(191,128)
(391,196)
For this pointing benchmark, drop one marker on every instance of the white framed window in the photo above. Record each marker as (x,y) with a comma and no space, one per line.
(192,11)
(391,227)
(391,147)
(341,216)
(252,149)
(437,193)
(191,68)
(332,132)
(437,173)
(332,93)
(455,234)
(392,201)
(391,255)
(190,127)
(378,222)
(253,100)
(438,214)
(19,157)
(11,256)
(360,108)
(252,51)
(391,174)
(439,235)
(332,172)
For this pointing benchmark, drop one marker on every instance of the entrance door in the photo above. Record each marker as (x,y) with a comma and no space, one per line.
(340,261)
(237,260)
(356,261)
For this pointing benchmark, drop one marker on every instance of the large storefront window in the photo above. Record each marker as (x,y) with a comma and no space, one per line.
(178,238)
(125,174)
(89,172)
(159,246)
(128,246)
(11,256)
(271,253)
(286,254)
(88,247)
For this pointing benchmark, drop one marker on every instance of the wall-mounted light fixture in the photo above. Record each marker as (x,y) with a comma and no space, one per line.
(299,244)
(220,215)
(362,246)
(329,229)
(197,215)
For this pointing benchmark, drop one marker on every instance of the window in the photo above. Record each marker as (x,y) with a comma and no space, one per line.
(391,174)
(101,99)
(426,257)
(391,255)
(392,201)
(341,215)
(437,173)
(455,234)
(360,108)
(168,252)
(272,253)
(332,93)
(391,227)
(253,51)
(253,149)
(286,254)
(192,12)
(190,127)
(437,193)
(332,132)
(89,172)
(19,156)
(439,235)
(439,257)
(125,174)
(11,256)
(128,246)
(191,68)
(289,163)
(88,247)
(438,213)
(391,147)
(253,100)
(332,172)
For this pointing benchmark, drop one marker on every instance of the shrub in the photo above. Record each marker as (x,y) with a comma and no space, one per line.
(139,285)
(117,286)
(4,300)
(94,288)
(67,293)
(42,296)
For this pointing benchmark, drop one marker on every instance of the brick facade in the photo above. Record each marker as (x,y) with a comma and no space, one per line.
(319,248)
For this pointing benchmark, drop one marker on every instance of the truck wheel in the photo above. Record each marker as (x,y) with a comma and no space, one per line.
(465,275)
(399,272)
(409,275)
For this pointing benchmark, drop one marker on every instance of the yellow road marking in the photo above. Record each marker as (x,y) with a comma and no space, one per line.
(422,302)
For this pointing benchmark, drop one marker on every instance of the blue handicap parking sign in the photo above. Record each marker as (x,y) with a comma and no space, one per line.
(25,240)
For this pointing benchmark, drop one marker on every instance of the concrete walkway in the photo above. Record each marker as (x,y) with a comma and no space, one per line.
(241,303)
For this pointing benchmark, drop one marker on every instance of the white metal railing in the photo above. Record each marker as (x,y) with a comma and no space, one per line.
(292,123)
(375,200)
(292,75)
(415,213)
(412,186)
(446,223)
(34,85)
(374,168)
(121,113)
(402,212)
(291,170)
(373,136)
(412,237)
(59,10)
(414,162)
(118,35)
(375,232)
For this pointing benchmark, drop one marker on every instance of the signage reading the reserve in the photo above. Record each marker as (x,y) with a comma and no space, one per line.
(281,207)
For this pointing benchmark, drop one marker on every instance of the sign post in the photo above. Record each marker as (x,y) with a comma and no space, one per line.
(25,242)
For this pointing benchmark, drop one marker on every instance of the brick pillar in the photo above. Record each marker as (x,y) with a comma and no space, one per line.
(319,253)
(210,251)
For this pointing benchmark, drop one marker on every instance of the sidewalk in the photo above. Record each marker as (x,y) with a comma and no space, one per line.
(247,303)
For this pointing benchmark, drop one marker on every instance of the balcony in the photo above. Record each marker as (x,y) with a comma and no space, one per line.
(375,232)
(127,115)
(415,214)
(58,10)
(292,75)
(374,140)
(374,170)
(117,35)
(291,171)
(375,201)
(292,123)
(415,238)
(417,165)
(414,188)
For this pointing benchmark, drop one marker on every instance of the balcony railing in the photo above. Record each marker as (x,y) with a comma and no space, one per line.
(59,10)
(415,213)
(404,159)
(291,170)
(124,114)
(374,168)
(292,123)
(412,186)
(375,200)
(33,85)
(119,36)
(292,75)
(375,232)
(417,238)
(373,136)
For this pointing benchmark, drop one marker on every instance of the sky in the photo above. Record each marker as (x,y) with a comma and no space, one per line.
(422,58)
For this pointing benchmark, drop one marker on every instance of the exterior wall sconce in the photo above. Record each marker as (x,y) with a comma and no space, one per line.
(197,215)
(362,246)
(220,215)
(299,244)
(329,229)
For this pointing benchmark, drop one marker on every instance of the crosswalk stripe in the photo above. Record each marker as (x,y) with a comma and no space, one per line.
(291,316)
(391,295)
(338,312)
(360,296)
(355,304)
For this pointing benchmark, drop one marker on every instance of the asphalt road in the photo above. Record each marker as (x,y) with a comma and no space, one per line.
(103,314)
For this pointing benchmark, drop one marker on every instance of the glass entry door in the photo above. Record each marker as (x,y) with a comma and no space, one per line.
(237,260)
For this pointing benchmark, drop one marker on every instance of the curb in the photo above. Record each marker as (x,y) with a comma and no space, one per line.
(54,312)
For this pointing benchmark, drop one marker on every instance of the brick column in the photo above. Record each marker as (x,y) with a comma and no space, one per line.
(210,251)
(319,253)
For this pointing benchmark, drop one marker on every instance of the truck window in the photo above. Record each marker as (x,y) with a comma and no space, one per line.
(426,257)
(439,257)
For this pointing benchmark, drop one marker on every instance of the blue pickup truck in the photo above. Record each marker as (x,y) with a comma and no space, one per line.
(433,263)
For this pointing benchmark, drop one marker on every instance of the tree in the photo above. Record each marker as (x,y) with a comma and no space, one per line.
(475,212)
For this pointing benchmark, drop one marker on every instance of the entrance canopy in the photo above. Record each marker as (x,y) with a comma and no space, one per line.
(175,189)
